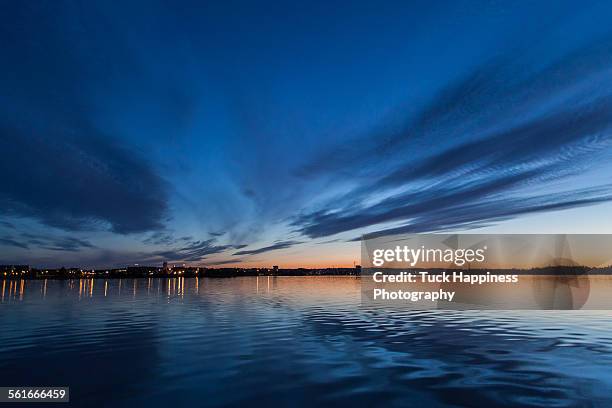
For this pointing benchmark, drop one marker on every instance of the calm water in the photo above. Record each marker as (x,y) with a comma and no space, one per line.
(291,341)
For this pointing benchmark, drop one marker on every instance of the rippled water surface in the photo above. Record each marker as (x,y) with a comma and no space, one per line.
(291,341)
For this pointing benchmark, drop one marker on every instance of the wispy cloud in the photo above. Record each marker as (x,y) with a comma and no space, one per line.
(482,151)
(67,244)
(7,224)
(165,238)
(194,251)
(224,262)
(274,247)
(53,243)
(13,243)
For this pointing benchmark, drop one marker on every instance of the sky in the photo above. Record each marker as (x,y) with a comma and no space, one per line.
(278,133)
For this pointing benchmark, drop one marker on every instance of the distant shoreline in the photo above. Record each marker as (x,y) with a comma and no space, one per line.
(24,272)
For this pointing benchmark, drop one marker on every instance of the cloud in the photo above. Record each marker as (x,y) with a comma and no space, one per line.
(274,247)
(13,243)
(484,150)
(226,262)
(195,251)
(78,182)
(329,241)
(66,162)
(66,244)
(481,214)
(28,240)
(164,238)
(496,93)
(7,224)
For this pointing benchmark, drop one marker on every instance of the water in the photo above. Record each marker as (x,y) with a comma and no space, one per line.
(291,341)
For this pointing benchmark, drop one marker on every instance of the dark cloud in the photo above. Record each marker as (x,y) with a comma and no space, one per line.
(330,241)
(12,242)
(164,238)
(7,224)
(250,193)
(216,263)
(61,164)
(28,240)
(274,247)
(195,251)
(66,244)
(77,182)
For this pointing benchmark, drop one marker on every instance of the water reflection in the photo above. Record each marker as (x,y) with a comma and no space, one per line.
(291,341)
(24,289)
(19,290)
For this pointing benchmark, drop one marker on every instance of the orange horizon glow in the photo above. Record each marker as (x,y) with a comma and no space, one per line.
(259,265)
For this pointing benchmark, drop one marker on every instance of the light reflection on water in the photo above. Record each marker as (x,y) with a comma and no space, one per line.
(291,341)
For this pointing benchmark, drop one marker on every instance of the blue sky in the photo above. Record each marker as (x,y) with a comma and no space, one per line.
(262,133)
